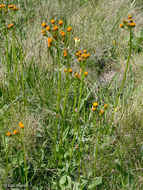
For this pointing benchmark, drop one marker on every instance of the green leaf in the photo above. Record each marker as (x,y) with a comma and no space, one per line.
(63,180)
(98,181)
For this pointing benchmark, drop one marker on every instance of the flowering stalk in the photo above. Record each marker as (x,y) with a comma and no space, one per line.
(58,102)
(124,78)
(21,125)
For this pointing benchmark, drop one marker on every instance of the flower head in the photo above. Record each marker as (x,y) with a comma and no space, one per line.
(79,59)
(101,111)
(49,41)
(105,106)
(8,134)
(70,70)
(93,108)
(121,25)
(69,29)
(44,24)
(43,32)
(2,5)
(53,21)
(15,131)
(60,22)
(55,28)
(95,104)
(10,25)
(86,73)
(65,70)
(10,6)
(47,28)
(21,125)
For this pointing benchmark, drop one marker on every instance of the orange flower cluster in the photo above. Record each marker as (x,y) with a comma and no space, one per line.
(128,23)
(95,105)
(21,125)
(82,56)
(12,7)
(53,29)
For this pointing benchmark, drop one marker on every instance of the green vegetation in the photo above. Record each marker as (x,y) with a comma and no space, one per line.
(71,102)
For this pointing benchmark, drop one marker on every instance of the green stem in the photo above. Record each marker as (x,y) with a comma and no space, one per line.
(24,156)
(58,103)
(124,79)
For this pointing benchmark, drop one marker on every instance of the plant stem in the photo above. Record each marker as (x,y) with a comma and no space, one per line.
(24,156)
(124,78)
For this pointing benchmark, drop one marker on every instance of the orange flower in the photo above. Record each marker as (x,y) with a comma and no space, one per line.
(60,22)
(15,8)
(69,29)
(76,74)
(105,106)
(44,24)
(114,42)
(121,25)
(65,54)
(84,51)
(95,104)
(70,70)
(2,6)
(65,51)
(65,70)
(48,28)
(86,73)
(53,21)
(77,54)
(83,55)
(124,20)
(15,131)
(8,134)
(87,55)
(133,24)
(49,41)
(43,32)
(79,59)
(55,28)
(129,16)
(10,6)
(101,111)
(80,70)
(93,109)
(10,25)
(131,20)
(21,125)
(63,34)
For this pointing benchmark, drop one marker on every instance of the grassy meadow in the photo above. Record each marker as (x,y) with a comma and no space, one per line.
(71,85)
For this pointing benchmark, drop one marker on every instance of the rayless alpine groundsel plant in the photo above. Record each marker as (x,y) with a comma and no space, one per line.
(129,26)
